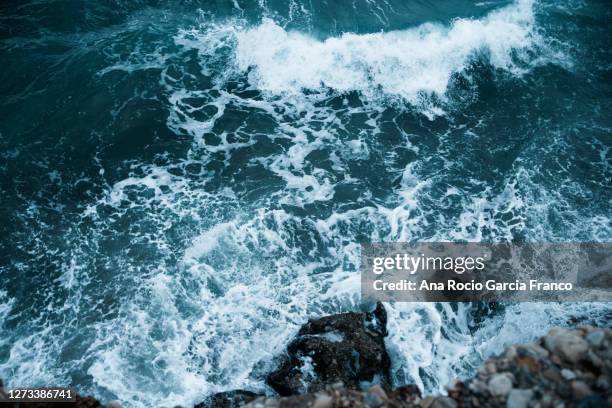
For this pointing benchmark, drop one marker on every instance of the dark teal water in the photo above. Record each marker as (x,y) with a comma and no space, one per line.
(184,183)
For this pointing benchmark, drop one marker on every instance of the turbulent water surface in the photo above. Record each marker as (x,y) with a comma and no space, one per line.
(184,183)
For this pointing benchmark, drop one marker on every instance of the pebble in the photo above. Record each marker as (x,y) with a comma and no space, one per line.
(426,402)
(552,374)
(378,390)
(538,350)
(323,401)
(581,389)
(454,384)
(478,386)
(373,400)
(511,352)
(596,338)
(338,385)
(444,402)
(272,403)
(603,382)
(500,384)
(519,398)
(375,397)
(568,344)
(595,360)
(546,400)
(568,374)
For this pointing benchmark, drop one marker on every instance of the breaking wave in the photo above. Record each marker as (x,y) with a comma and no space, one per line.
(187,272)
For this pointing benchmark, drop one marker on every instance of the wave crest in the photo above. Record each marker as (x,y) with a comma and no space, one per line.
(410,64)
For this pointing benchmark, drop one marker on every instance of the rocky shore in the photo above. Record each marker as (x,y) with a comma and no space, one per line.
(341,361)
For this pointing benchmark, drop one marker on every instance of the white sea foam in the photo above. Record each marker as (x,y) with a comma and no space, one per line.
(6,305)
(233,279)
(449,349)
(29,362)
(409,64)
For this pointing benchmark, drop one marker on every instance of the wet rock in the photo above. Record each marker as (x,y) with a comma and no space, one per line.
(603,383)
(347,348)
(581,389)
(596,338)
(294,401)
(378,391)
(323,401)
(341,356)
(84,402)
(573,371)
(511,352)
(455,389)
(405,394)
(519,398)
(568,344)
(594,401)
(536,350)
(568,374)
(478,387)
(443,402)
(552,374)
(228,399)
(500,384)
(373,400)
(491,368)
(595,360)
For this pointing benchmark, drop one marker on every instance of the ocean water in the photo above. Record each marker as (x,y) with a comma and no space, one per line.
(184,183)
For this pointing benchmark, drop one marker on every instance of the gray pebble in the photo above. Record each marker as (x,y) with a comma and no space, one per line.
(500,384)
(568,374)
(596,338)
(519,398)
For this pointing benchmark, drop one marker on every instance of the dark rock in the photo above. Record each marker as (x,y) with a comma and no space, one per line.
(347,348)
(294,401)
(340,397)
(562,374)
(443,402)
(373,400)
(228,399)
(593,402)
(405,394)
(581,389)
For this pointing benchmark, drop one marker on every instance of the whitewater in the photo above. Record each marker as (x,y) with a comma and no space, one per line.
(170,266)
